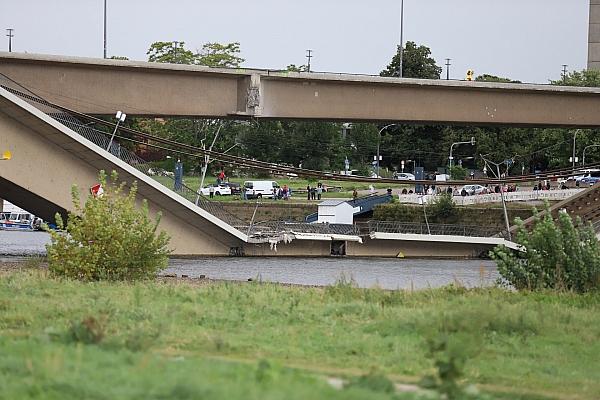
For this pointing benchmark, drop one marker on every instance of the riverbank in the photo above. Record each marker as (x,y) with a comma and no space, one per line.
(172,339)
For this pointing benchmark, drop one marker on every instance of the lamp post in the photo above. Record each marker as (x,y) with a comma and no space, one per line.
(401,47)
(574,147)
(120,116)
(104,28)
(378,143)
(585,148)
(450,158)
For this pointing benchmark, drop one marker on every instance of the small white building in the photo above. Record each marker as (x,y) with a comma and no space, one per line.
(335,212)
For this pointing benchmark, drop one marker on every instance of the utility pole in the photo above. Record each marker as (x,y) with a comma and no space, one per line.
(401,47)
(564,73)
(104,28)
(308,56)
(448,68)
(10,36)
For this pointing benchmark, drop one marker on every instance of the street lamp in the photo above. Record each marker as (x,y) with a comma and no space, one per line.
(471,142)
(574,159)
(401,47)
(120,116)
(587,147)
(378,143)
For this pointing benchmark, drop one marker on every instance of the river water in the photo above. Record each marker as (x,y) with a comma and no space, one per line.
(366,272)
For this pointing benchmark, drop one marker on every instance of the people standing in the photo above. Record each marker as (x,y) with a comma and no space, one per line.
(308,192)
(354,195)
(211,191)
(319,191)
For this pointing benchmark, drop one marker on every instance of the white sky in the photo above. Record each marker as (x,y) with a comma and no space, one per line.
(527,40)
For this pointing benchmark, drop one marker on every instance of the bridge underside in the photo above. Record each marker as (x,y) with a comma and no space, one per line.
(94,86)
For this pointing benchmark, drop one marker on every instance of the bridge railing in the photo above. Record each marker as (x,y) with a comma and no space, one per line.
(433,229)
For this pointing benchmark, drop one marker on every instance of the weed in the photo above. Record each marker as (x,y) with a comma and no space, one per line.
(89,330)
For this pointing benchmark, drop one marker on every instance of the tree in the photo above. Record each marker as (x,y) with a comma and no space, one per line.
(220,55)
(109,238)
(416,63)
(170,52)
(295,68)
(494,78)
(588,78)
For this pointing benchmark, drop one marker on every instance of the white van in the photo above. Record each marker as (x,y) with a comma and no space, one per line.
(259,189)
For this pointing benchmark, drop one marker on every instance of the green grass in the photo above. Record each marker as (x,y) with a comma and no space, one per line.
(70,340)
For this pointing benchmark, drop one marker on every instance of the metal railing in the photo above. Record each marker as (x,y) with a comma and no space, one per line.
(433,229)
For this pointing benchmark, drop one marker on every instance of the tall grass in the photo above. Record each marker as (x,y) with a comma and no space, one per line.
(85,339)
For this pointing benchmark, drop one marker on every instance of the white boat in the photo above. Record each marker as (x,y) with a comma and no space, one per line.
(13,218)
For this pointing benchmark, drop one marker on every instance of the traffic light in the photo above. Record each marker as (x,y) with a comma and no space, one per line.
(470,74)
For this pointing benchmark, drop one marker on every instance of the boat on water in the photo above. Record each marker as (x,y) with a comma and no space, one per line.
(17,219)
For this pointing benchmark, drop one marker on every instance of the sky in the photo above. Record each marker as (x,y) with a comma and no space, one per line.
(527,40)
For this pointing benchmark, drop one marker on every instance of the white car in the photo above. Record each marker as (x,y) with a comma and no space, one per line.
(405,176)
(219,190)
(472,190)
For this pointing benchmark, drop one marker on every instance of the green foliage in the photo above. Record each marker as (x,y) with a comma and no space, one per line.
(306,334)
(494,78)
(220,55)
(373,381)
(89,330)
(588,78)
(416,63)
(442,209)
(458,173)
(557,255)
(296,68)
(108,238)
(170,52)
(211,54)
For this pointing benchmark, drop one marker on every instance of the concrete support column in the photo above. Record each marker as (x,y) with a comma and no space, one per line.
(1,205)
(594,35)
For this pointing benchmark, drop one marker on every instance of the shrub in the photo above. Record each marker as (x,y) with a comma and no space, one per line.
(557,255)
(458,173)
(443,209)
(109,238)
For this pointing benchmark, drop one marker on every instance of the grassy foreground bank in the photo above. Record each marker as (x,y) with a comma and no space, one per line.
(153,340)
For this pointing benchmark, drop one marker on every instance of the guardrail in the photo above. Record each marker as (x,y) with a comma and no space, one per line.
(433,229)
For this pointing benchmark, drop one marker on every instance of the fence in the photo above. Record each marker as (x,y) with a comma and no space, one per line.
(433,229)
(530,195)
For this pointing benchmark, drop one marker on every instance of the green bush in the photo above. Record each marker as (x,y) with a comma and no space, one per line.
(458,173)
(443,209)
(109,238)
(557,255)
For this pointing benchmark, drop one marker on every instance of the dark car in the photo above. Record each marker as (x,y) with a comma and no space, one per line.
(235,187)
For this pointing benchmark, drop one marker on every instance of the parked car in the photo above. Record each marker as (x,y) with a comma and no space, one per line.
(590,177)
(405,176)
(236,188)
(219,190)
(471,190)
(259,189)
